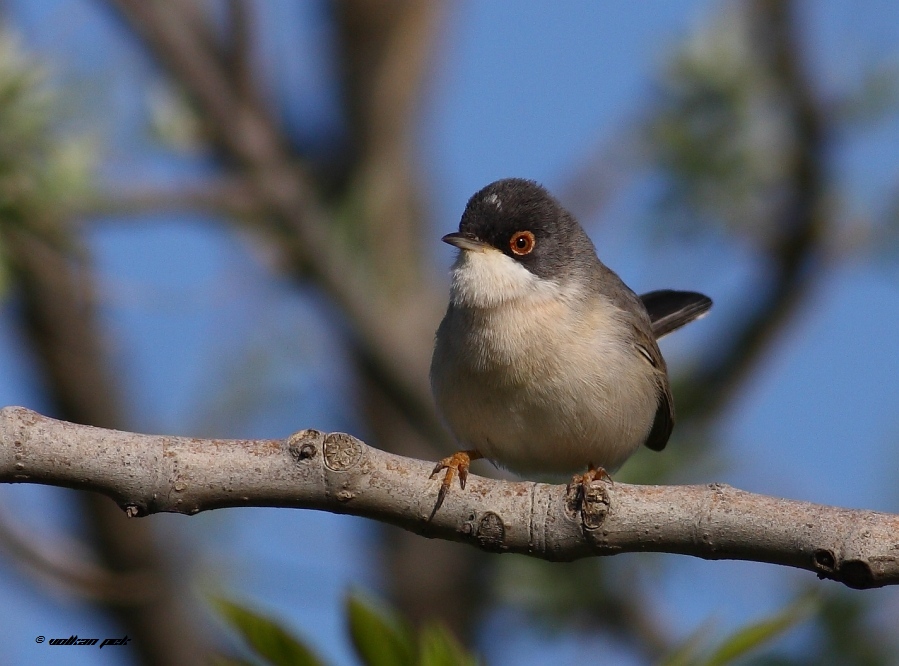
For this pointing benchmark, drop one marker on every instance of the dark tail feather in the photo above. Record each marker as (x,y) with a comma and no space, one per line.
(669,309)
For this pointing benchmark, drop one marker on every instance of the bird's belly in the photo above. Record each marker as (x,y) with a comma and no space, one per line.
(573,402)
(550,432)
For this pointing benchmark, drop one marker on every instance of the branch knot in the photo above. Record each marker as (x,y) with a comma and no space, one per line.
(302,444)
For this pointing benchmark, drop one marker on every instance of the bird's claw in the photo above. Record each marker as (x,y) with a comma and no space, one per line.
(579,483)
(456,464)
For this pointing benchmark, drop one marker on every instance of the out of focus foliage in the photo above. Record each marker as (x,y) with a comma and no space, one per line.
(44,172)
(720,135)
(379,636)
(696,651)
(846,631)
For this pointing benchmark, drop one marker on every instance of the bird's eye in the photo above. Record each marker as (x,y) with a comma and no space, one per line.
(522,243)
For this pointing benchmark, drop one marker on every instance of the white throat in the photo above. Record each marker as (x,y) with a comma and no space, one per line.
(488,278)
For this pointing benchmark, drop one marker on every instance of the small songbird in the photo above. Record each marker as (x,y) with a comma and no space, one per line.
(546,362)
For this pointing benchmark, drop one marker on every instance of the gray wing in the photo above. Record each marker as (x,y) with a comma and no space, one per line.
(663,423)
(669,309)
(666,311)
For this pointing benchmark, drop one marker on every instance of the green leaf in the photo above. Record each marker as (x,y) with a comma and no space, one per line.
(755,635)
(4,276)
(266,637)
(438,647)
(689,651)
(380,637)
(223,660)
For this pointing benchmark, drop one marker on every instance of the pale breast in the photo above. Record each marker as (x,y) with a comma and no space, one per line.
(540,389)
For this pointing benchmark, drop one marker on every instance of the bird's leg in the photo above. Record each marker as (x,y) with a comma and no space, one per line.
(579,483)
(455,464)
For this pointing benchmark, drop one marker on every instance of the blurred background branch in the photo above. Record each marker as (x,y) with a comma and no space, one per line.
(785,214)
(56,313)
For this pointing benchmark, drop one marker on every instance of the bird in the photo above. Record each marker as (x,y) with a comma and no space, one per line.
(545,362)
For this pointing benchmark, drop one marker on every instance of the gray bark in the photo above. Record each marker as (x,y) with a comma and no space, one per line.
(336,472)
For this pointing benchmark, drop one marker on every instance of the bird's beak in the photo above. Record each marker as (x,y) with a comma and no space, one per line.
(466,242)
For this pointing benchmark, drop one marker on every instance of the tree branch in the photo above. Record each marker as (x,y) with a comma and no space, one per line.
(222,195)
(335,472)
(57,564)
(58,318)
(393,353)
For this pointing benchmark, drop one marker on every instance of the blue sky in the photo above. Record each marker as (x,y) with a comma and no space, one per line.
(520,88)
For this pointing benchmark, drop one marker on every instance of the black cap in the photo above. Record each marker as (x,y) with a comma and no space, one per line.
(522,220)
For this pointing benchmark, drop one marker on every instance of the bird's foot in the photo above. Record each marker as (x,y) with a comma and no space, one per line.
(579,484)
(455,464)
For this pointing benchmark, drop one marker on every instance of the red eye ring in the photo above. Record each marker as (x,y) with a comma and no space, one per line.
(522,243)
